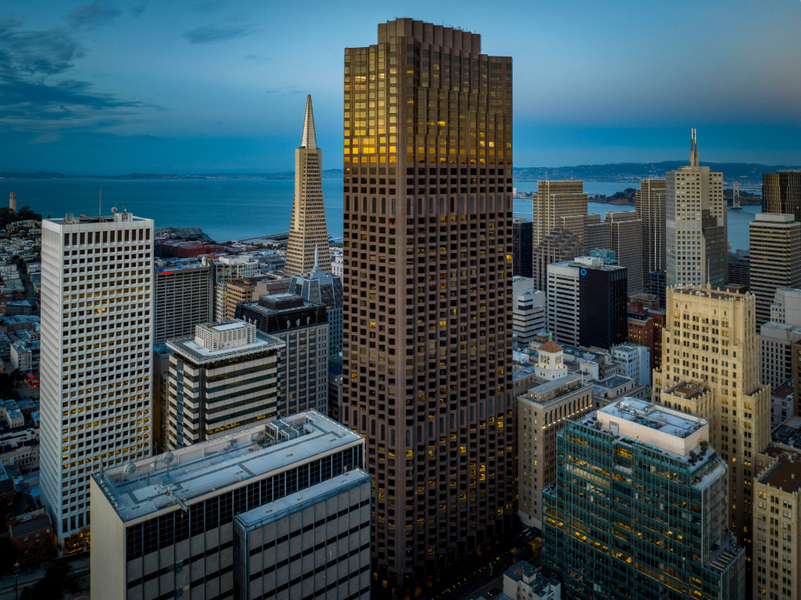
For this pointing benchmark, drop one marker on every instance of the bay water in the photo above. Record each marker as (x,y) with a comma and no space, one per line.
(237,209)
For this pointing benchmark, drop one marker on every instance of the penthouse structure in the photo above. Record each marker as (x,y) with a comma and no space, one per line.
(280,509)
(428,292)
(303,328)
(638,509)
(183,298)
(222,379)
(96,343)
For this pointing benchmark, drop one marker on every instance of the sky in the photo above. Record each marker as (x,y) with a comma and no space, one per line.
(114,87)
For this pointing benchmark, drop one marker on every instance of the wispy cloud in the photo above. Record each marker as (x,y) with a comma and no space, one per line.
(258,59)
(34,80)
(92,15)
(209,34)
(137,10)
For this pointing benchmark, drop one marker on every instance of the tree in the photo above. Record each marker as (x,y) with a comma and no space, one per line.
(51,586)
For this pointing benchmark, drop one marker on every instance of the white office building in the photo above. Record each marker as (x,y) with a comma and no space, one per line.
(97,339)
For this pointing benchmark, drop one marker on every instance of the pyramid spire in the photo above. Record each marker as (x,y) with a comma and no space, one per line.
(309,140)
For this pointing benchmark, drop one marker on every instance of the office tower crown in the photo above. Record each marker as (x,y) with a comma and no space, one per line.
(693,149)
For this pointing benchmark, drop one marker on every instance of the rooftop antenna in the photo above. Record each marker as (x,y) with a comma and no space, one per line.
(100,203)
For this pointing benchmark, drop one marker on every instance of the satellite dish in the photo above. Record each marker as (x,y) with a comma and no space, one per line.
(114,209)
(168,458)
(129,469)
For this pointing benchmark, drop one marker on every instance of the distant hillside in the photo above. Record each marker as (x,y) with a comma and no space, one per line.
(745,173)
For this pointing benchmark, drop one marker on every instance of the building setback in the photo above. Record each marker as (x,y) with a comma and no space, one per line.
(97,339)
(428,293)
(222,379)
(281,508)
(639,509)
(308,231)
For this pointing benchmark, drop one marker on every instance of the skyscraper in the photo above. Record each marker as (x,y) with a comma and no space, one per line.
(560,205)
(775,259)
(307,230)
(710,368)
(558,246)
(781,193)
(183,298)
(428,292)
(97,340)
(649,203)
(639,509)
(697,246)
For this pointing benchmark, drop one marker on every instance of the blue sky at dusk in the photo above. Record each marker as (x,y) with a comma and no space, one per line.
(211,85)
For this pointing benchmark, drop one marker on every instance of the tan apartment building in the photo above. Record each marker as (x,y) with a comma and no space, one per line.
(777,520)
(541,415)
(710,368)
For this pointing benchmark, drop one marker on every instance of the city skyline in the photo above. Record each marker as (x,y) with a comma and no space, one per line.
(109,86)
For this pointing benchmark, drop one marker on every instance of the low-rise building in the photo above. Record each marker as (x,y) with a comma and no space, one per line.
(633,361)
(522,581)
(279,508)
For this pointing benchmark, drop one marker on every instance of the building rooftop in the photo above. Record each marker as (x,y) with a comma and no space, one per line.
(786,473)
(550,347)
(708,292)
(552,390)
(189,348)
(610,383)
(152,485)
(689,390)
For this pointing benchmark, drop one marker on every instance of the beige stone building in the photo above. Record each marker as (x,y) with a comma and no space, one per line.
(541,414)
(238,291)
(560,205)
(710,368)
(777,519)
(308,230)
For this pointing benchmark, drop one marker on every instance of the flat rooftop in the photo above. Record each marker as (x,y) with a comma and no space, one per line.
(652,416)
(610,383)
(788,434)
(708,292)
(212,466)
(786,473)
(187,347)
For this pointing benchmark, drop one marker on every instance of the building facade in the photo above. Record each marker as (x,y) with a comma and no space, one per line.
(522,247)
(649,203)
(222,379)
(308,232)
(560,205)
(275,510)
(627,243)
(428,292)
(184,298)
(775,258)
(303,327)
(97,339)
(225,269)
(696,238)
(558,246)
(781,193)
(639,509)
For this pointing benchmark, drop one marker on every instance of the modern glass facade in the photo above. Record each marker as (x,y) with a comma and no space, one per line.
(629,520)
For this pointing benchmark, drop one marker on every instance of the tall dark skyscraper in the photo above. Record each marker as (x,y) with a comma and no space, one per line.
(428,293)
(523,247)
(781,193)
